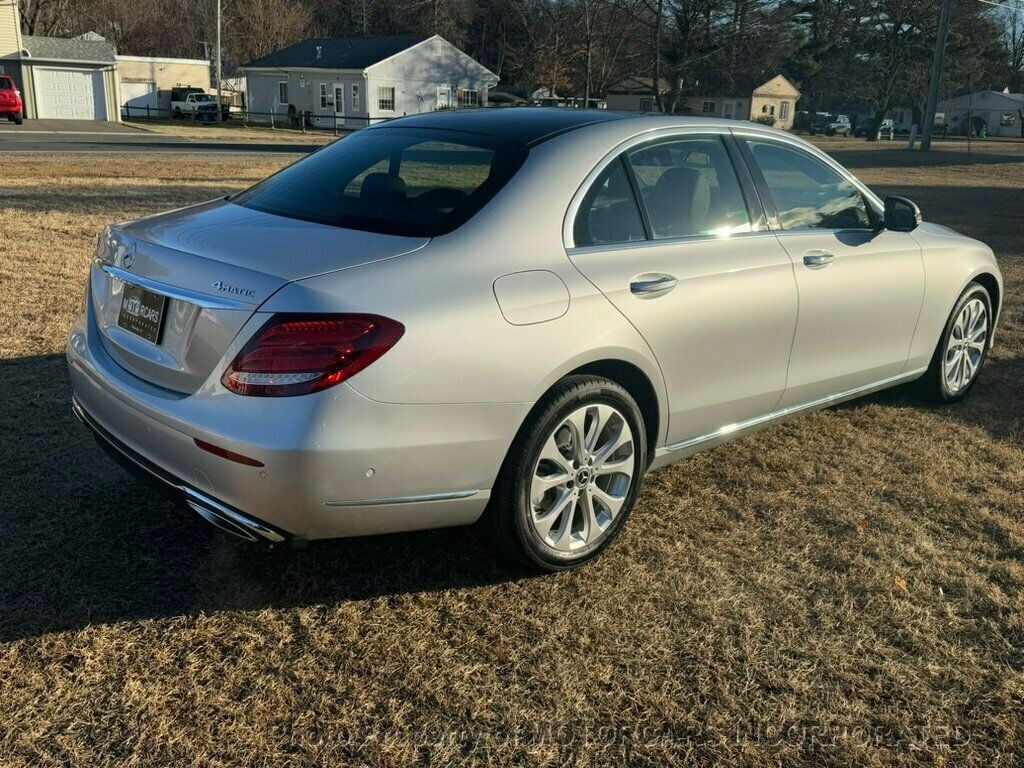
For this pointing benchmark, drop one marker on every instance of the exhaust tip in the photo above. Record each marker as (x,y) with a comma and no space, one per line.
(231,521)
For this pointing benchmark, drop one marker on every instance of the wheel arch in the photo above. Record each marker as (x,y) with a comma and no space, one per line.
(991,284)
(639,386)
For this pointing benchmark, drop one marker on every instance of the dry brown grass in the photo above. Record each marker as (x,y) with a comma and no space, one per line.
(846,588)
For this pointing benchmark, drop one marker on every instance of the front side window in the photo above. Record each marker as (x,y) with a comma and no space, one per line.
(282,92)
(808,194)
(400,181)
(386,98)
(689,187)
(609,213)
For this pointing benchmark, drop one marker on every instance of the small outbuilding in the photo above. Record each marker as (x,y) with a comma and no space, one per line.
(146,82)
(355,81)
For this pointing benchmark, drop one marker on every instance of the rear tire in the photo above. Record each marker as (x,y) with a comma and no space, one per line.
(961,350)
(18,119)
(571,477)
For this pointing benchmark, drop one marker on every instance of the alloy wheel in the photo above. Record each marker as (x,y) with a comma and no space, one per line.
(582,477)
(966,345)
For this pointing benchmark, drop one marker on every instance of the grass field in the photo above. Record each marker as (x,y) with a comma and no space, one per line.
(847,588)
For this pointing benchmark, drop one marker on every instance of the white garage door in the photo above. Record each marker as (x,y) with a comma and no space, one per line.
(135,97)
(73,94)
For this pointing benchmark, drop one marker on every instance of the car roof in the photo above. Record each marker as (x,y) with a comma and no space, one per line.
(525,125)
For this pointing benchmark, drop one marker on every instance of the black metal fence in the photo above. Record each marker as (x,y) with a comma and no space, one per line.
(303,121)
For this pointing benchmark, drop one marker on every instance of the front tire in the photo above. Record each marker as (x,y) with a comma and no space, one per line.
(571,477)
(962,348)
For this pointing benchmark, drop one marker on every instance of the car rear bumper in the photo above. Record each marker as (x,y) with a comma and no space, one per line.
(216,512)
(334,463)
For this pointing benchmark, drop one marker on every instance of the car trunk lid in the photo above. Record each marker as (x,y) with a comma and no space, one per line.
(214,264)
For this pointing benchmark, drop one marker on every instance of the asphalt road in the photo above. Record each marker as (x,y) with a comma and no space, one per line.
(79,136)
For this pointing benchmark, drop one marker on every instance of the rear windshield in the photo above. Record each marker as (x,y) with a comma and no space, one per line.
(399,181)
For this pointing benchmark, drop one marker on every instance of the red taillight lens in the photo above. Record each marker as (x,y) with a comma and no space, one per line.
(296,355)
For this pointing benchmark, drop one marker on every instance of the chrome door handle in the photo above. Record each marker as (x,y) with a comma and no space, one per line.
(654,284)
(815,259)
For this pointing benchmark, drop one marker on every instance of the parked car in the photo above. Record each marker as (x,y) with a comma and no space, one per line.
(10,100)
(831,125)
(424,325)
(189,101)
(866,127)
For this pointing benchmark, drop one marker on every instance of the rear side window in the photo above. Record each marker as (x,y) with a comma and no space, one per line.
(689,187)
(609,213)
(808,193)
(400,181)
(6,84)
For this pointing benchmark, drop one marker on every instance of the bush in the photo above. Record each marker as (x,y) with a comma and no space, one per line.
(768,120)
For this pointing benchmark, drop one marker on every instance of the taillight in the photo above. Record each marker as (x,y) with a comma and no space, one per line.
(299,354)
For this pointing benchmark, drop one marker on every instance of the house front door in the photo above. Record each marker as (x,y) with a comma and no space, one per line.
(729,110)
(444,97)
(339,105)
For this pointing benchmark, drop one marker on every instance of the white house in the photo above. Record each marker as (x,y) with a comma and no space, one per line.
(776,98)
(355,81)
(1001,112)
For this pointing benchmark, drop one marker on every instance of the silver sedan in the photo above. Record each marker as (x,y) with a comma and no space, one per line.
(508,317)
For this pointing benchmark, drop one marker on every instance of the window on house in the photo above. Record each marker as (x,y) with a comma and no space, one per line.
(1008,118)
(784,110)
(708,107)
(771,110)
(282,91)
(646,104)
(471,98)
(386,98)
(323,95)
(355,97)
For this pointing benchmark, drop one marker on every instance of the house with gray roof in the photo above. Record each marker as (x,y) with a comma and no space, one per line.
(355,81)
(59,78)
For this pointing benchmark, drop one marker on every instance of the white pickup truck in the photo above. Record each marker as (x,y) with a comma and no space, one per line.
(189,101)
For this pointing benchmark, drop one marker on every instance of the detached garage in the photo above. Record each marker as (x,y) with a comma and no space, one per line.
(72,79)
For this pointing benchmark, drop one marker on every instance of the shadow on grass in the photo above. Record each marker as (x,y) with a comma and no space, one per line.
(85,544)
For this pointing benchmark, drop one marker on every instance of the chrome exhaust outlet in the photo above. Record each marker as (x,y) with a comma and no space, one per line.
(228,520)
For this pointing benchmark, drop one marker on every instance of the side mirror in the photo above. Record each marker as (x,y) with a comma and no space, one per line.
(901,215)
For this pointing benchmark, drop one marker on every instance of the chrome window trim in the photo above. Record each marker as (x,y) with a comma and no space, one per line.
(817,154)
(180,294)
(637,244)
(568,224)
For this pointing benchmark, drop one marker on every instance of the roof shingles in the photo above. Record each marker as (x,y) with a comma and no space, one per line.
(61,49)
(338,52)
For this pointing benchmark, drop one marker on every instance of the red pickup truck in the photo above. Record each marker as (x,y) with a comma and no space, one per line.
(10,100)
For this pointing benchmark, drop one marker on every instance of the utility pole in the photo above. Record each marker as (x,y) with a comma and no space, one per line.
(220,108)
(933,92)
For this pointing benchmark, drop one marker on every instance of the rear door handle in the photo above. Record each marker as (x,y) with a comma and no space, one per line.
(652,284)
(818,259)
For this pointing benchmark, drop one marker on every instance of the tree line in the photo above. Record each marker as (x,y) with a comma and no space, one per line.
(838,52)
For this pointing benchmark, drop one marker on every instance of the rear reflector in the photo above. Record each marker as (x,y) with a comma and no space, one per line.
(299,354)
(224,453)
